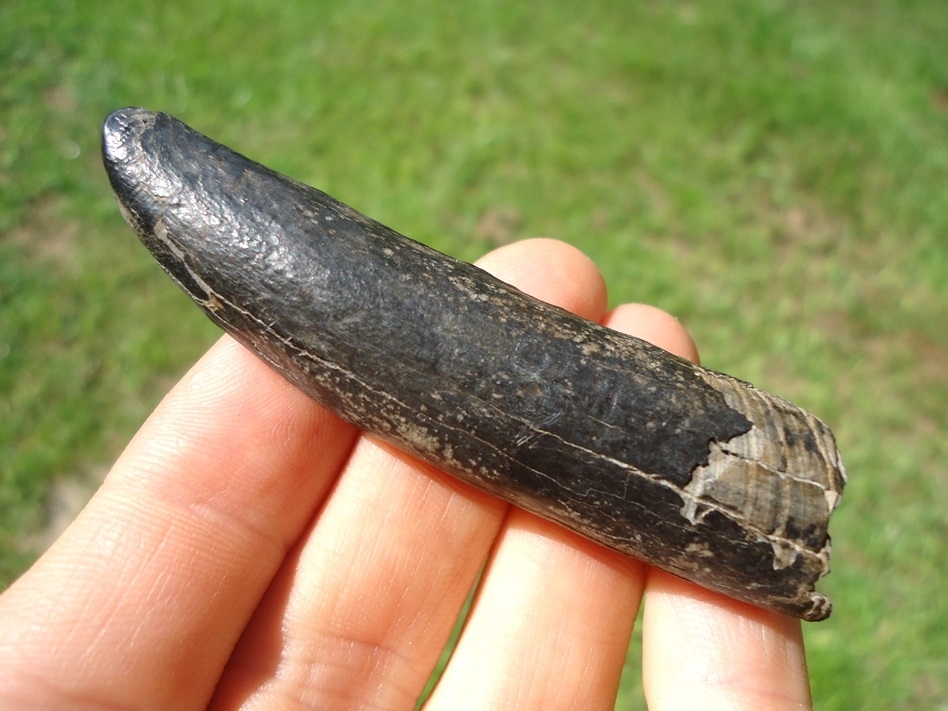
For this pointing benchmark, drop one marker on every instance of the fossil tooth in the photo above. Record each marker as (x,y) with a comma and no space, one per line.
(682,467)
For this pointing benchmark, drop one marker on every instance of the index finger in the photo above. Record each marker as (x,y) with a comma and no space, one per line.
(144,596)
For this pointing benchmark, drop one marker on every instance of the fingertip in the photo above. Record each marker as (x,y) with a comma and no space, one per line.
(702,649)
(654,325)
(553,271)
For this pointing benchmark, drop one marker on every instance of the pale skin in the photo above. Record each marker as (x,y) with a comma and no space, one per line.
(249,550)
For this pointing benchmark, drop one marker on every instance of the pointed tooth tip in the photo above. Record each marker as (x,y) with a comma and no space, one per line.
(121,118)
(117,130)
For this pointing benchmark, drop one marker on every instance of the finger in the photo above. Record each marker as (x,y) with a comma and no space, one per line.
(704,650)
(655,326)
(552,620)
(362,611)
(141,600)
(701,649)
(551,271)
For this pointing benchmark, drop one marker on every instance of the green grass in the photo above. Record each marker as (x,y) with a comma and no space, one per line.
(774,173)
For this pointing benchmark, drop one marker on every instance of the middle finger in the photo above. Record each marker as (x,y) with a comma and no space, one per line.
(362,610)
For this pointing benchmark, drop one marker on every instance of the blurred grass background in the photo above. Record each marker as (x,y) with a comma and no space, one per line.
(774,173)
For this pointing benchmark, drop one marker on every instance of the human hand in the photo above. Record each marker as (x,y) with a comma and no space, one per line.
(251,550)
